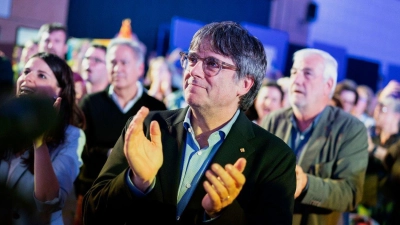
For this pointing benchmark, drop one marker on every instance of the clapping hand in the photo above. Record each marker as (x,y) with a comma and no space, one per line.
(223,185)
(144,156)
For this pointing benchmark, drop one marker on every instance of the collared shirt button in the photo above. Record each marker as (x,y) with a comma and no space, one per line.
(301,137)
(190,130)
(188,185)
(199,152)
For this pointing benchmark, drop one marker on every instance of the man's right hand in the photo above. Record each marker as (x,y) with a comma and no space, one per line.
(144,156)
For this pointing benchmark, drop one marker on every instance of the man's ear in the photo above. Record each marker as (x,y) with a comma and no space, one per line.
(329,85)
(245,85)
(141,69)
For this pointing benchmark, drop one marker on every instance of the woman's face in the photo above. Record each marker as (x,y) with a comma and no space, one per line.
(268,99)
(37,78)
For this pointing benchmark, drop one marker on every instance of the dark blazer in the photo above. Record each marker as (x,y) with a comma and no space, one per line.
(335,159)
(266,197)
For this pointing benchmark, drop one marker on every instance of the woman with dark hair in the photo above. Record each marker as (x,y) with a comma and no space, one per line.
(269,98)
(44,172)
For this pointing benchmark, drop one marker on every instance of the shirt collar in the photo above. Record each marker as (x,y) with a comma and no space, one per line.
(225,129)
(128,106)
(313,124)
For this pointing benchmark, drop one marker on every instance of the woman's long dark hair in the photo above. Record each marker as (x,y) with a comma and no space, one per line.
(69,112)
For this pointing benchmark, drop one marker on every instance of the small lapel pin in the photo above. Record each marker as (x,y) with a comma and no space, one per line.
(242,150)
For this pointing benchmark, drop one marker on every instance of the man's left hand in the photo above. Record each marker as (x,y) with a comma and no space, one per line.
(223,185)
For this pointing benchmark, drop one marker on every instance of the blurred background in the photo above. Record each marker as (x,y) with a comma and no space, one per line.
(362,35)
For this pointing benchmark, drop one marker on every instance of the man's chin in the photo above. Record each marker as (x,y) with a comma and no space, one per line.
(296,102)
(193,101)
(118,85)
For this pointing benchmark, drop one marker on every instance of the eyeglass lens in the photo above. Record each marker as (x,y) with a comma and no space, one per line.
(211,66)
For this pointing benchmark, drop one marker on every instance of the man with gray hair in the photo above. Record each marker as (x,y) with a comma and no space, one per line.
(330,145)
(107,111)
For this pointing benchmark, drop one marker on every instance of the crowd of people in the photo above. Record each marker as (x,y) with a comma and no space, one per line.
(197,136)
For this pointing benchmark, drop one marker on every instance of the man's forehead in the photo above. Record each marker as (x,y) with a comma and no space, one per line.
(60,34)
(120,51)
(95,51)
(121,48)
(203,45)
(309,62)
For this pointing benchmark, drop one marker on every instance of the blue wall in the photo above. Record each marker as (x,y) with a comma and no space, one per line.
(102,18)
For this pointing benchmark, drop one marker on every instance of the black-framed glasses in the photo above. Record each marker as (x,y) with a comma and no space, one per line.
(211,65)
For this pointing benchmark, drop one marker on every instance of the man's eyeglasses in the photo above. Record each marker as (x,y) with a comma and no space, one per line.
(95,59)
(211,65)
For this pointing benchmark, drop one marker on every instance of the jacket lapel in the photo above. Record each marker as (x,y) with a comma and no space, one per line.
(172,151)
(286,128)
(317,140)
(235,146)
(281,127)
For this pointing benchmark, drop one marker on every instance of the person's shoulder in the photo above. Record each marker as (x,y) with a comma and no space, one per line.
(94,97)
(340,117)
(269,144)
(261,135)
(339,114)
(167,113)
(262,132)
(282,114)
(72,133)
(167,117)
(152,103)
(98,94)
(71,129)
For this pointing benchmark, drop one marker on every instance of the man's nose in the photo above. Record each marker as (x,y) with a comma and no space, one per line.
(297,77)
(197,69)
(117,67)
(49,45)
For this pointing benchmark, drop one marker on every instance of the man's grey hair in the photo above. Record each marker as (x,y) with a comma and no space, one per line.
(134,45)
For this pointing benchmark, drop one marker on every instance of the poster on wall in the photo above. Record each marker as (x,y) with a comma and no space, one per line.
(25,34)
(5,9)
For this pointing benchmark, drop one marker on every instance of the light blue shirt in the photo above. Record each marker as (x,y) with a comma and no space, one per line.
(197,159)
